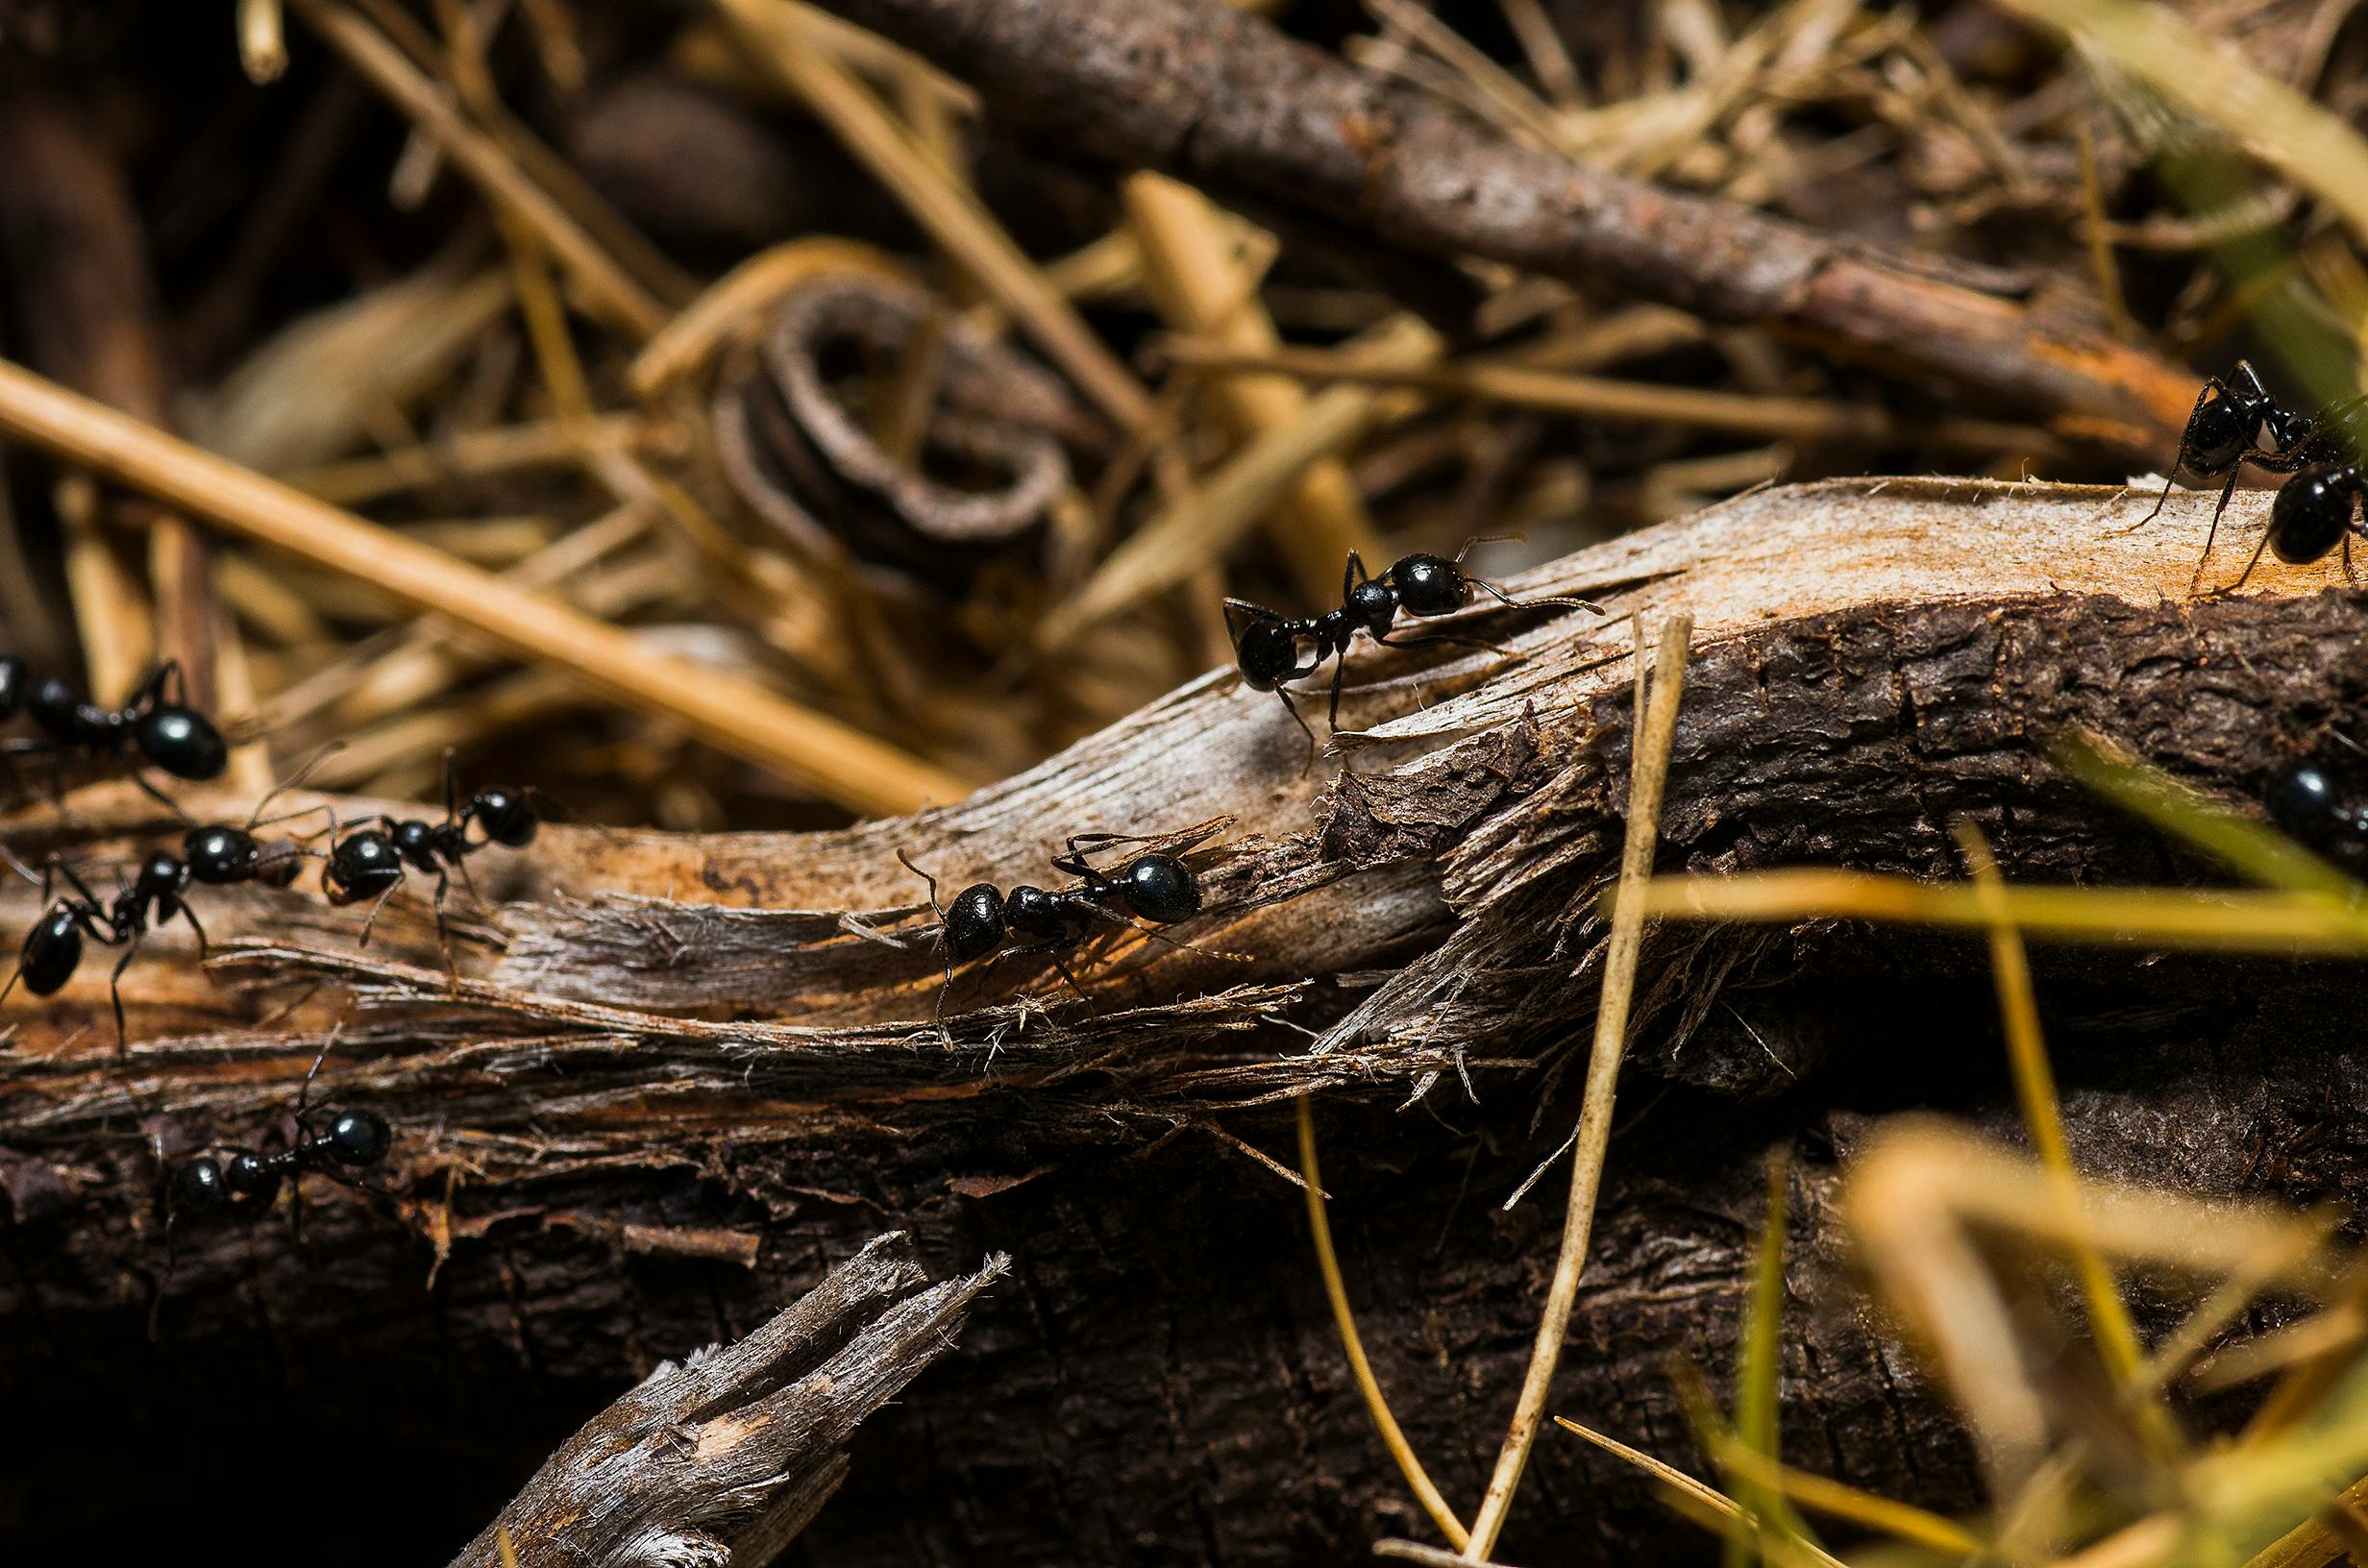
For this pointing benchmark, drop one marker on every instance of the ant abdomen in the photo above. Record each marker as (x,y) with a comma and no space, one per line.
(1161,888)
(2311,513)
(357,1139)
(182,742)
(53,950)
(12,675)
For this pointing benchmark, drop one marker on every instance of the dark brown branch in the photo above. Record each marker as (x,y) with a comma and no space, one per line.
(678,1070)
(723,1458)
(1223,99)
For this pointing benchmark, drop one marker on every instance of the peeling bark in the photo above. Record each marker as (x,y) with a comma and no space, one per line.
(677,1075)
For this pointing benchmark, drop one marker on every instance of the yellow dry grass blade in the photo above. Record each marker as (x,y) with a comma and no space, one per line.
(2034,1088)
(2197,919)
(1699,1501)
(2248,848)
(1417,1479)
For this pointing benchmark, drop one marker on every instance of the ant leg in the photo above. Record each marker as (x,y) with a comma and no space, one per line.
(139,776)
(293,780)
(1340,673)
(2249,565)
(1256,613)
(1352,573)
(114,993)
(1061,964)
(1292,708)
(372,918)
(204,947)
(2170,480)
(945,950)
(443,932)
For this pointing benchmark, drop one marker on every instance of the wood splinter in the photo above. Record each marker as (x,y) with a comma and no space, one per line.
(726,1457)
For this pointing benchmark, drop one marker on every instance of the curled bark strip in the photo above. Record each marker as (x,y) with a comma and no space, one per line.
(1216,96)
(722,1459)
(680,1039)
(797,453)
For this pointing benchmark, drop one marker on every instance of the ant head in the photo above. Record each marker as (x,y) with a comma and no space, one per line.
(219,855)
(1267,651)
(199,1187)
(975,922)
(360,866)
(1161,888)
(248,1176)
(182,742)
(507,815)
(359,1138)
(1429,584)
(1374,605)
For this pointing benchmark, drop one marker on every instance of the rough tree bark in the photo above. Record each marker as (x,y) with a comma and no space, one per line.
(679,1075)
(1223,99)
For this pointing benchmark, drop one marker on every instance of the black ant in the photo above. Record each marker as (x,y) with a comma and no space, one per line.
(2224,434)
(147,730)
(1268,649)
(214,854)
(1156,886)
(355,1141)
(371,862)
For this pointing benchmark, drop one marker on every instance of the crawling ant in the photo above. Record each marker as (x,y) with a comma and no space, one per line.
(212,854)
(371,862)
(1155,887)
(146,731)
(2224,434)
(355,1140)
(1268,649)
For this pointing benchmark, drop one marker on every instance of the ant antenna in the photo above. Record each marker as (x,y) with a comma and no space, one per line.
(944,949)
(292,781)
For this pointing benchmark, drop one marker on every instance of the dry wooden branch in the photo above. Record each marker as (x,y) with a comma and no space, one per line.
(716,1055)
(1199,89)
(723,1459)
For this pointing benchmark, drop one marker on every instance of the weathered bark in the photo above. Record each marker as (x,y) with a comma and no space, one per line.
(696,1071)
(1199,89)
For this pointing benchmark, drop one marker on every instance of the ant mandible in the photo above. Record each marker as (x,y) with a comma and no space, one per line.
(1156,886)
(147,730)
(1268,649)
(371,862)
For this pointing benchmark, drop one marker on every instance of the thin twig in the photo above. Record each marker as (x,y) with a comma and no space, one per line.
(1649,766)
